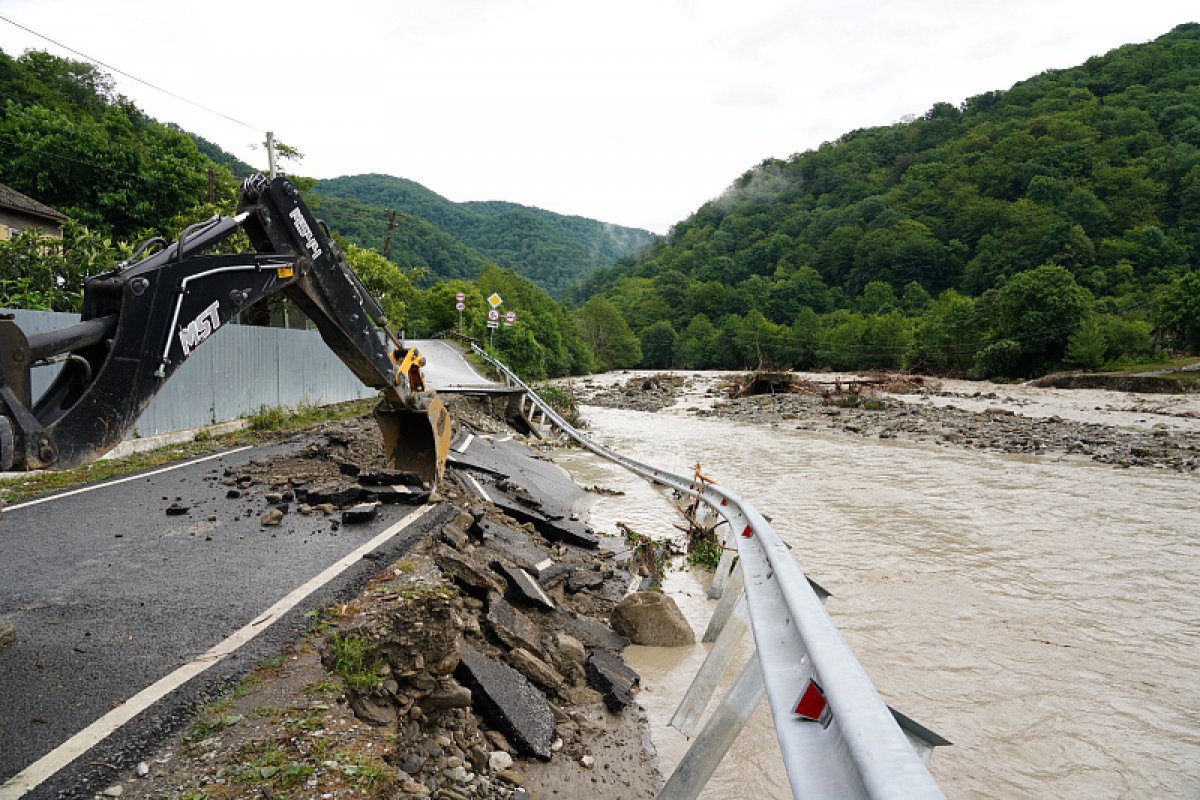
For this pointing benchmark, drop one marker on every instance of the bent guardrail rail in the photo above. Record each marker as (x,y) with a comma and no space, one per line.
(837,737)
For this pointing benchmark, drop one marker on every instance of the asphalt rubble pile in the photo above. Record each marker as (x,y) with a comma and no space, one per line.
(872,413)
(482,664)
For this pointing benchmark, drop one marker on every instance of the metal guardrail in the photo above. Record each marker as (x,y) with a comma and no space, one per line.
(837,737)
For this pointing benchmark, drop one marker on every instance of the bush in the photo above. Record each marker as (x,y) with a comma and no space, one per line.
(1000,359)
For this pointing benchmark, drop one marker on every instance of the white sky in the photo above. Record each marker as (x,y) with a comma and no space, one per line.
(634,112)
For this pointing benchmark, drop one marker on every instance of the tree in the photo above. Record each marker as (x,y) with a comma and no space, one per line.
(607,333)
(877,297)
(1086,347)
(1178,311)
(45,273)
(1040,309)
(658,345)
(390,287)
(948,335)
(697,345)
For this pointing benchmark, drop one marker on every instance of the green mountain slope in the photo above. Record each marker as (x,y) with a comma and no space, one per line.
(414,242)
(553,250)
(1093,169)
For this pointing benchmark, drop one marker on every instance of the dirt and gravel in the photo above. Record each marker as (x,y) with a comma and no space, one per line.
(1160,431)
(997,429)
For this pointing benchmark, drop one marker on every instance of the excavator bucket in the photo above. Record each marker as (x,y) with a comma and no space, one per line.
(416,440)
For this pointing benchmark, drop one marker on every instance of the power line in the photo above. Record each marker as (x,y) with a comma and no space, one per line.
(111,68)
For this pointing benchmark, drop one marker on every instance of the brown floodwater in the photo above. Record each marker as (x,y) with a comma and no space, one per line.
(1044,615)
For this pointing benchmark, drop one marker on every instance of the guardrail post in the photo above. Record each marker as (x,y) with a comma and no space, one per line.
(691,707)
(725,566)
(731,596)
(726,722)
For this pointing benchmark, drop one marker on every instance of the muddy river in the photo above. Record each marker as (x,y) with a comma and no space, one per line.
(1043,615)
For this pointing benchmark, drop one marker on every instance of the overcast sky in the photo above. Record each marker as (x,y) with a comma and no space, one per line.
(629,111)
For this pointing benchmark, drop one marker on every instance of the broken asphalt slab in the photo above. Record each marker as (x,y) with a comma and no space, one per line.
(509,702)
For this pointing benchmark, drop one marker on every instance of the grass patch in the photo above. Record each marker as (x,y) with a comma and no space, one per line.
(362,772)
(355,662)
(205,729)
(45,482)
(705,553)
(1151,365)
(307,719)
(325,686)
(274,662)
(849,400)
(264,764)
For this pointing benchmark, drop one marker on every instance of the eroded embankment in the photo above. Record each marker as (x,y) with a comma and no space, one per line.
(479,665)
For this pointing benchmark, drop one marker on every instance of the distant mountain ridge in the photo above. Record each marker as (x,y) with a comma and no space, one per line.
(553,250)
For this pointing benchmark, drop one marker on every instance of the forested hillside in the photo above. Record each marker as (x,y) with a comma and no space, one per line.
(414,244)
(68,140)
(1055,222)
(553,250)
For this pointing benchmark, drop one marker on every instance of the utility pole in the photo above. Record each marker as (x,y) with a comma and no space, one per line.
(271,153)
(387,239)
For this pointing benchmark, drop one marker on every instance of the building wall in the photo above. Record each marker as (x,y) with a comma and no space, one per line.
(11,222)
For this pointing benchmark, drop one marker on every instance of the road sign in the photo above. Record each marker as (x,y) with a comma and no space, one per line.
(460,297)
(493,315)
(494,300)
(460,305)
(510,317)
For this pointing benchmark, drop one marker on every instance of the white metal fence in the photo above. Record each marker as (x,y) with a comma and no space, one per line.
(241,369)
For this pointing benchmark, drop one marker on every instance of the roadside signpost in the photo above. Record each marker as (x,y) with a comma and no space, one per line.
(510,317)
(493,322)
(494,300)
(459,304)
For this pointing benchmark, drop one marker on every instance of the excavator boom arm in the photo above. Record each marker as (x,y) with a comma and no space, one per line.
(142,320)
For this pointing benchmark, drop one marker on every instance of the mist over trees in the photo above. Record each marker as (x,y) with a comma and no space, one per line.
(1053,224)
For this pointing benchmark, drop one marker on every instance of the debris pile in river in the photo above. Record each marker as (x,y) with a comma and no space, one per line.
(996,428)
(652,392)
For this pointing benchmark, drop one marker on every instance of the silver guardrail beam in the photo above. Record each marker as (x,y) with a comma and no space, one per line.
(837,737)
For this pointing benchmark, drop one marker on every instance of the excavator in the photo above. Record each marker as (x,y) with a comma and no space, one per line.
(142,319)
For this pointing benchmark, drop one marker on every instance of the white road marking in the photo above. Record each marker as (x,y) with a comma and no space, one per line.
(466,443)
(126,479)
(482,492)
(42,769)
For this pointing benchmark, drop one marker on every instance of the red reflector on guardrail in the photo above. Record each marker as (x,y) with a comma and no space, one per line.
(812,704)
(746,534)
(724,501)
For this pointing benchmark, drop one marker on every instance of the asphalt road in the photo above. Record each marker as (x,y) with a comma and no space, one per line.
(447,371)
(108,594)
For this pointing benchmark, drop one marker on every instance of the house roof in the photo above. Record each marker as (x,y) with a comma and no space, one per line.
(14,200)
